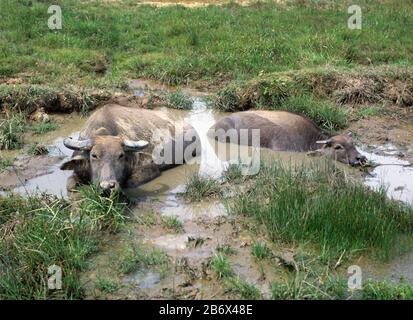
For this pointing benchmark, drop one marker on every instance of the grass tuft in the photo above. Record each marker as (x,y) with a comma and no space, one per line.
(5,163)
(220,264)
(178,100)
(37,149)
(137,256)
(199,187)
(233,173)
(173,223)
(260,251)
(42,127)
(11,131)
(226,250)
(107,285)
(244,289)
(326,115)
(103,213)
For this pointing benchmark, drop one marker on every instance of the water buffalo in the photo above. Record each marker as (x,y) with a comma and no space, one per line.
(286,131)
(121,147)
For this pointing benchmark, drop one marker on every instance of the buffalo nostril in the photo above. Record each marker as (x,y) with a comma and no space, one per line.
(108,185)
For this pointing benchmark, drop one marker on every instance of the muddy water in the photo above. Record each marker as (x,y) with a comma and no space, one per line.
(392,173)
(33,174)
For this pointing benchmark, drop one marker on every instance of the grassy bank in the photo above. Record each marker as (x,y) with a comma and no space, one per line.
(27,98)
(38,232)
(322,207)
(329,96)
(101,44)
(342,86)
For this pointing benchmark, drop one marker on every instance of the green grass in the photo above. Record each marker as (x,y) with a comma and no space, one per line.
(309,289)
(387,290)
(107,285)
(43,127)
(138,256)
(37,149)
(51,97)
(233,173)
(149,218)
(225,250)
(367,112)
(327,116)
(178,100)
(313,283)
(101,43)
(107,213)
(199,187)
(5,163)
(242,288)
(220,264)
(317,204)
(173,223)
(41,231)
(329,96)
(11,131)
(260,251)
(310,278)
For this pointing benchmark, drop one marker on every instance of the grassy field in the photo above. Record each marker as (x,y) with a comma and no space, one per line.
(101,44)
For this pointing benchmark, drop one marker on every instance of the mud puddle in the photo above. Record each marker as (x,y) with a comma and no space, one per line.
(34,174)
(394,173)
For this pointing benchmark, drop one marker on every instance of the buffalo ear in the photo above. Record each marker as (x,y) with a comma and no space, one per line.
(76,162)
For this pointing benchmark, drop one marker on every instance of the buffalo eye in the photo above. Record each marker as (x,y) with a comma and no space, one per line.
(94,155)
(121,156)
(338,147)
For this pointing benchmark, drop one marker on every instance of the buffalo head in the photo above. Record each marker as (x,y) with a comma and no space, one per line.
(342,148)
(108,160)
